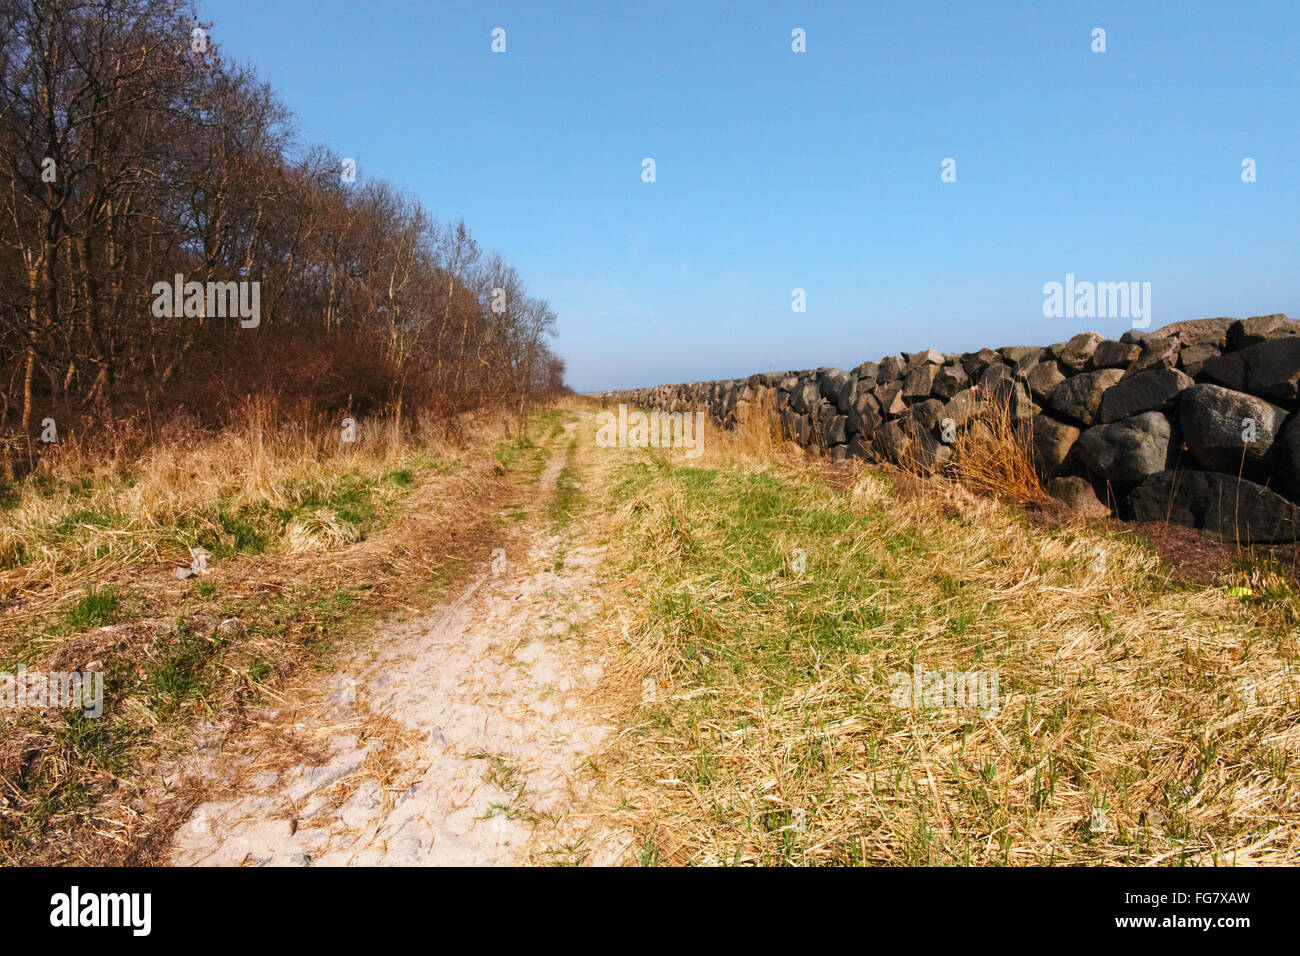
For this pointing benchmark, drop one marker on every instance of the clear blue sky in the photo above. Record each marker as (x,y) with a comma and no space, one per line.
(819,170)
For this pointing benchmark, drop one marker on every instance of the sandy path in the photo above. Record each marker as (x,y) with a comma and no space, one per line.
(458,739)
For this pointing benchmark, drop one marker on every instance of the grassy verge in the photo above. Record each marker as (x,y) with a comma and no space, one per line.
(773,616)
(264,488)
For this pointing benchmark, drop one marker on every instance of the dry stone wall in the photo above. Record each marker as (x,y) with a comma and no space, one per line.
(1195,423)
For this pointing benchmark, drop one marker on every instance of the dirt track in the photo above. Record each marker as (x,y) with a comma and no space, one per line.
(454,738)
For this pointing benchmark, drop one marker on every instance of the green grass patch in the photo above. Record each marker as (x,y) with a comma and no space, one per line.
(510,452)
(85,518)
(99,606)
(567,497)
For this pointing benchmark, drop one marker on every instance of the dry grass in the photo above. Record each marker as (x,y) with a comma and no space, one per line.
(321,530)
(755,444)
(87,506)
(1141,720)
(994,453)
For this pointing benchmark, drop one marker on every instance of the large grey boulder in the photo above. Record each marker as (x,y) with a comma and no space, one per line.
(892,442)
(1157,352)
(1229,370)
(805,397)
(890,397)
(1197,331)
(1075,353)
(1259,328)
(1112,354)
(1043,379)
(1150,391)
(834,430)
(997,382)
(950,380)
(1227,507)
(1022,358)
(918,381)
(825,413)
(975,362)
(1286,453)
(926,414)
(1078,495)
(860,447)
(864,416)
(1225,430)
(891,369)
(1128,451)
(1192,358)
(1273,368)
(1079,397)
(960,407)
(1052,441)
(796,427)
(838,387)
(1020,405)
(908,445)
(924,357)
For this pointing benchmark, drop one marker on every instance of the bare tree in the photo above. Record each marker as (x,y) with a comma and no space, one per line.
(130,155)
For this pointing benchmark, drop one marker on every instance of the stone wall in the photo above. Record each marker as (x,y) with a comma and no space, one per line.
(1195,423)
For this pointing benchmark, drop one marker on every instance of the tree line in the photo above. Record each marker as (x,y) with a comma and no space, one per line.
(133,153)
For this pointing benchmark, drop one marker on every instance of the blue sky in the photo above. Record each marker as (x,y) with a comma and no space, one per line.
(819,170)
